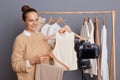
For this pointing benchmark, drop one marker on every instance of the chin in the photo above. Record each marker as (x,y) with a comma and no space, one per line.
(34,29)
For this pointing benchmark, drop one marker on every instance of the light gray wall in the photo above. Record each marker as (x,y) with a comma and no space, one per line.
(11,23)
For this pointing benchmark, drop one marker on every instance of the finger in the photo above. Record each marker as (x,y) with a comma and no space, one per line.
(43,58)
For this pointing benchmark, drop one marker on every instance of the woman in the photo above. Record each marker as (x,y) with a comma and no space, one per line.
(29,47)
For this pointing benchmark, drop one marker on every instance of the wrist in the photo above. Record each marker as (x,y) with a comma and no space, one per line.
(32,61)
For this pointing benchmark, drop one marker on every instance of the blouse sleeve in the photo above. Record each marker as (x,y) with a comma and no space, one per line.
(17,58)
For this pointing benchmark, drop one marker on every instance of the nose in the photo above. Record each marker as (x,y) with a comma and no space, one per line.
(35,22)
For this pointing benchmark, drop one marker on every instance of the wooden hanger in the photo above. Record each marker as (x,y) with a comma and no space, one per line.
(51,55)
(80,37)
(68,29)
(84,19)
(96,20)
(64,29)
(60,20)
(88,18)
(64,65)
(104,20)
(51,20)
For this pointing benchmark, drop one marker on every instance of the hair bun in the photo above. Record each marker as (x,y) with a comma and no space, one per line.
(24,8)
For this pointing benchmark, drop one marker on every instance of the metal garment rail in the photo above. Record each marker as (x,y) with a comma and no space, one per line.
(112,73)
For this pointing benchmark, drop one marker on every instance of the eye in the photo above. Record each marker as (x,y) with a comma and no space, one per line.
(37,19)
(30,20)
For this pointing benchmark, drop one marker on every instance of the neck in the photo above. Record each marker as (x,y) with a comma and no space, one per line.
(31,31)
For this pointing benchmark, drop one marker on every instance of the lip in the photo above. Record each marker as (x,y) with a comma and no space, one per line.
(34,26)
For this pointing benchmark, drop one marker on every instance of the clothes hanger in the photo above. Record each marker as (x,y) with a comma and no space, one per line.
(51,20)
(60,20)
(80,37)
(64,29)
(104,20)
(88,18)
(96,20)
(51,55)
(84,20)
(68,29)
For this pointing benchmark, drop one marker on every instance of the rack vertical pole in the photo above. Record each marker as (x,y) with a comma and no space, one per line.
(113,55)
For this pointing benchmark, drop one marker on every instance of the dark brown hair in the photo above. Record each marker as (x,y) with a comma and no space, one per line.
(26,9)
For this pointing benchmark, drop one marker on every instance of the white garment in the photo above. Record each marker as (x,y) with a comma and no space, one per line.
(53,29)
(91,31)
(85,31)
(104,55)
(49,30)
(93,62)
(64,50)
(45,29)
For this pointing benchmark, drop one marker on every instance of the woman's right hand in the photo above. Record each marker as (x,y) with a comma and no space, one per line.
(38,59)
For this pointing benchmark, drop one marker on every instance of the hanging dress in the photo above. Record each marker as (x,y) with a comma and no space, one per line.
(97,41)
(64,50)
(45,29)
(85,31)
(104,55)
(96,32)
(49,30)
(93,62)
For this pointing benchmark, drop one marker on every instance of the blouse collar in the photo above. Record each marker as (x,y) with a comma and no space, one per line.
(27,33)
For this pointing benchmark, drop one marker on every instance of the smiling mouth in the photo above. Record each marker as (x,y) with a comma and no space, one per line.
(34,26)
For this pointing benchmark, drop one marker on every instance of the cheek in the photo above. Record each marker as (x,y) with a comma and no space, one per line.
(37,23)
(28,24)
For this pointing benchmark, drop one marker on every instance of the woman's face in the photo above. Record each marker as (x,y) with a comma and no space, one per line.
(31,21)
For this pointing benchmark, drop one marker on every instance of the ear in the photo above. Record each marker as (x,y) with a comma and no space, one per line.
(23,22)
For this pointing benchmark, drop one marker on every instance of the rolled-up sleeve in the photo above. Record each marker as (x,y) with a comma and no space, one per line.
(17,59)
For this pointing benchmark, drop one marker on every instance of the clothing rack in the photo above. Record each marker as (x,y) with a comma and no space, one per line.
(112,74)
